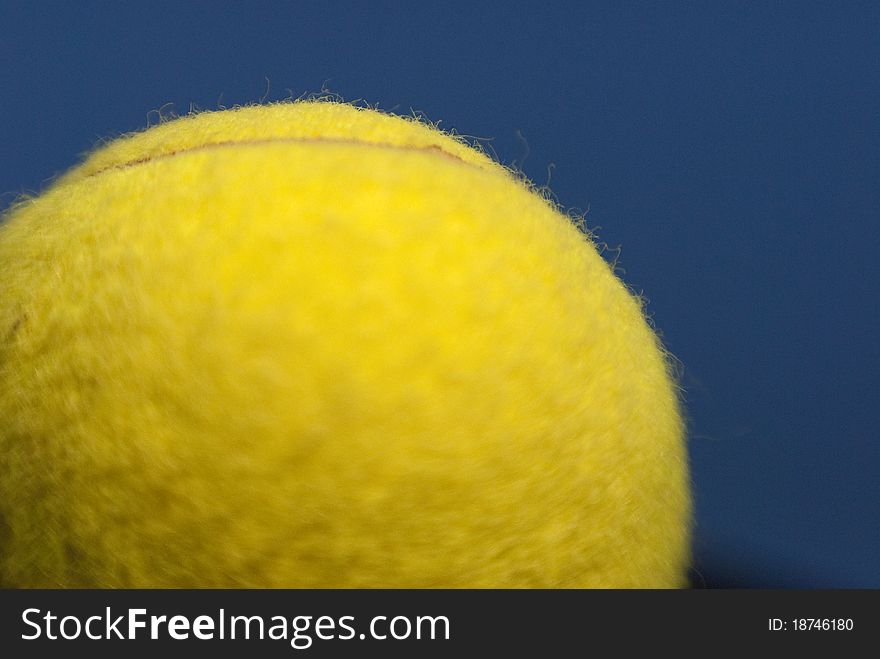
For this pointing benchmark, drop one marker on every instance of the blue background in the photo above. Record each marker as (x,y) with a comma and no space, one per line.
(727,154)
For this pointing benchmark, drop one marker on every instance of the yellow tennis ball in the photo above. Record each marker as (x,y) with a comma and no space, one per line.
(311,345)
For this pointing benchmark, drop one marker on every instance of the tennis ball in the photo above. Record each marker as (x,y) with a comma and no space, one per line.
(312,345)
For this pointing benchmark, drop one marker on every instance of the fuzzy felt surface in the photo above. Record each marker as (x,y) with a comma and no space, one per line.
(311,345)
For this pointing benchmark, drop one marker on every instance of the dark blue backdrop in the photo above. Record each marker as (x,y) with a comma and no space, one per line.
(730,150)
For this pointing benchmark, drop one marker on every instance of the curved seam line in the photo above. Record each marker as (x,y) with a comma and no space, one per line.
(433,148)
